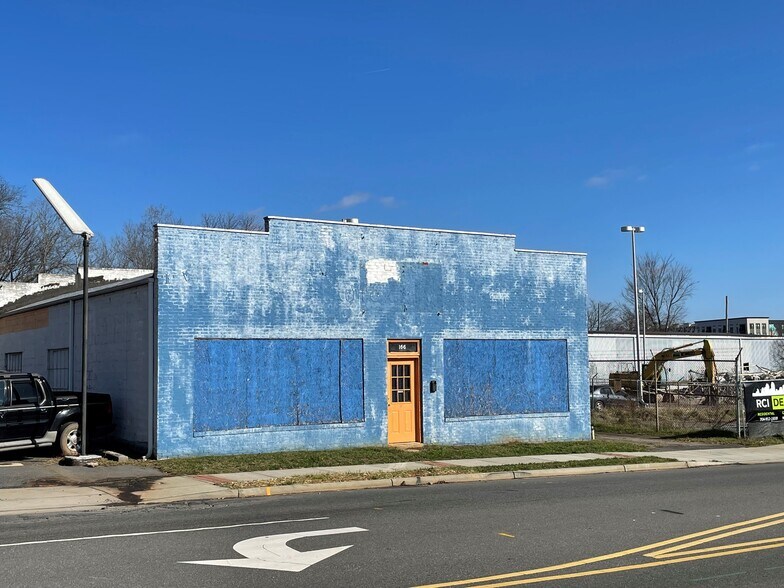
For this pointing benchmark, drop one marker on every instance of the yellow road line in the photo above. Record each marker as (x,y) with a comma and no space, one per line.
(652,564)
(678,548)
(778,517)
(719,548)
(507,535)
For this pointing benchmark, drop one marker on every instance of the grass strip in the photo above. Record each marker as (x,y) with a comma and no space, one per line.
(440,471)
(221,464)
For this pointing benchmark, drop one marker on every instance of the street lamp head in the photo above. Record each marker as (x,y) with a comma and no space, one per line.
(630,229)
(72,220)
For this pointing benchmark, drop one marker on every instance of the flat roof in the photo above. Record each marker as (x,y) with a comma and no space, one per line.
(76,294)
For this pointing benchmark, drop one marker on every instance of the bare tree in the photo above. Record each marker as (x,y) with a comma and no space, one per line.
(33,239)
(778,353)
(602,316)
(133,247)
(10,196)
(101,252)
(667,285)
(246,221)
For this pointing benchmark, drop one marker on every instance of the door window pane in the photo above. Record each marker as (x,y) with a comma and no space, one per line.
(401,383)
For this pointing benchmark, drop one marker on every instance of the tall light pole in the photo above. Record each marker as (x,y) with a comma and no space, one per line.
(78,227)
(634,231)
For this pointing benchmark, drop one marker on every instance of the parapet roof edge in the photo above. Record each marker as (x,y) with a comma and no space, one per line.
(376,226)
(736,318)
(372,225)
(214,229)
(553,252)
(77,294)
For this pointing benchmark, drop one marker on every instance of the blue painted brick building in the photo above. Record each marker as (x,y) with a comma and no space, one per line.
(316,334)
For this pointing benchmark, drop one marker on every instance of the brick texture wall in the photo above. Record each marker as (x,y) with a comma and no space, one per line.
(318,280)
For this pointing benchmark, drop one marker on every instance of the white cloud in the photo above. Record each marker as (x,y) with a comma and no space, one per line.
(757,147)
(597,181)
(358,198)
(388,201)
(612,176)
(347,201)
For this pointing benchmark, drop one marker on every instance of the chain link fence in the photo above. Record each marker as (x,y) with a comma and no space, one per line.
(681,399)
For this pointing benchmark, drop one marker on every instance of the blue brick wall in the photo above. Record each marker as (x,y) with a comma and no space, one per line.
(305,280)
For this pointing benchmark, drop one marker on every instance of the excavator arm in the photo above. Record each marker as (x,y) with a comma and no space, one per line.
(653,368)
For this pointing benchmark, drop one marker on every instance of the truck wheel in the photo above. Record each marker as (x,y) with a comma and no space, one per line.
(599,405)
(70,439)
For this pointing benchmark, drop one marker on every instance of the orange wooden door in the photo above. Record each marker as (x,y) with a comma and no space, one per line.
(401,400)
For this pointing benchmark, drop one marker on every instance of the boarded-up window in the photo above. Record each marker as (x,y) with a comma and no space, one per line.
(504,377)
(250,383)
(57,368)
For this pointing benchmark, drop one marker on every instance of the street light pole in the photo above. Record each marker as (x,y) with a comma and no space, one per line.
(634,231)
(85,284)
(78,227)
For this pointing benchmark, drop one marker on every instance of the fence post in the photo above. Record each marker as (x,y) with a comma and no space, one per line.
(656,393)
(738,397)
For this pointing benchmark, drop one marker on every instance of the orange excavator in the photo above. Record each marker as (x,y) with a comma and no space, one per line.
(651,371)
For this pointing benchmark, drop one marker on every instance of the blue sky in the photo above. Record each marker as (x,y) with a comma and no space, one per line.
(556,121)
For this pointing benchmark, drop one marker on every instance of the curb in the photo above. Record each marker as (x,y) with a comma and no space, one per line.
(283,490)
(306,488)
(519,474)
(449,478)
(642,467)
(705,464)
(370,484)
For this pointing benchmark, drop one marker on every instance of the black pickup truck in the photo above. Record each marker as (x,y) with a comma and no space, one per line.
(33,415)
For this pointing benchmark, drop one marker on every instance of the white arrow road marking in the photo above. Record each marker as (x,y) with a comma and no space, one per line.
(271,552)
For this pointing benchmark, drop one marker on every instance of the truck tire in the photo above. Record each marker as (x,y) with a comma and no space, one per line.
(70,439)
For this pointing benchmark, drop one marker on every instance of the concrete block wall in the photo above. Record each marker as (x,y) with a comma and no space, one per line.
(321,280)
(119,359)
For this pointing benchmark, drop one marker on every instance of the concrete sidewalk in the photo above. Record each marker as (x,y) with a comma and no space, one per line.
(97,495)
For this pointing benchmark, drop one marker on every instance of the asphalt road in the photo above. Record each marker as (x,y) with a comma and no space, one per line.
(425,535)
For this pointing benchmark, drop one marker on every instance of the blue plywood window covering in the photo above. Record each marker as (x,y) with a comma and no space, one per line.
(249,383)
(504,377)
